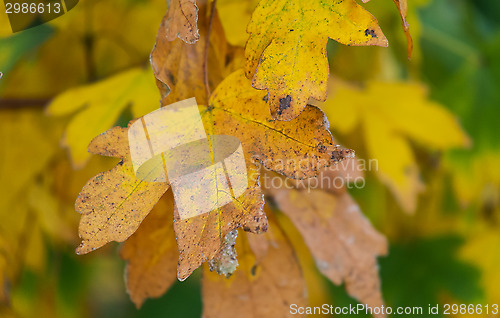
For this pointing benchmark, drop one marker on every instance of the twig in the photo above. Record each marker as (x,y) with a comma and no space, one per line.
(207,45)
(14,103)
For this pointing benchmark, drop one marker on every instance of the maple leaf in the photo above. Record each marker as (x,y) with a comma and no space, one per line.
(181,20)
(387,130)
(238,110)
(128,200)
(99,106)
(114,203)
(286,51)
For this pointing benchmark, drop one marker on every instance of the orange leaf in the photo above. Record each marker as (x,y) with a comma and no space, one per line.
(152,254)
(260,287)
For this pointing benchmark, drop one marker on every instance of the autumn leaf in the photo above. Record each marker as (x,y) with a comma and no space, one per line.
(402,6)
(286,51)
(181,69)
(234,16)
(99,106)
(297,149)
(342,241)
(388,130)
(181,19)
(114,203)
(478,251)
(17,164)
(152,254)
(267,282)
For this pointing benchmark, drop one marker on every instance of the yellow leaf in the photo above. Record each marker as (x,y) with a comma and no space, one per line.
(390,115)
(113,205)
(234,16)
(286,51)
(100,105)
(480,251)
(19,165)
(477,179)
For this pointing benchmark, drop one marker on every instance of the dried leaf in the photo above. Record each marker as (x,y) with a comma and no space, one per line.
(202,237)
(114,203)
(259,288)
(112,143)
(181,19)
(180,68)
(286,51)
(342,241)
(152,254)
(403,11)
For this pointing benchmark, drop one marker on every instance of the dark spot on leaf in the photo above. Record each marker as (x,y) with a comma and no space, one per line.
(371,32)
(253,270)
(284,104)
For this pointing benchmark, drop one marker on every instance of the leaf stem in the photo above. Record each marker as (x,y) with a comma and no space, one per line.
(207,47)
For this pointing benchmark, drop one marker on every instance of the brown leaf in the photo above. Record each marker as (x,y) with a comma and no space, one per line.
(342,241)
(152,254)
(264,288)
(332,179)
(111,143)
(180,68)
(403,11)
(115,202)
(181,19)
(200,238)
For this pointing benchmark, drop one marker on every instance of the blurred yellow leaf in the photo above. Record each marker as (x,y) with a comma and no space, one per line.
(18,165)
(235,15)
(100,105)
(482,251)
(286,51)
(390,116)
(477,179)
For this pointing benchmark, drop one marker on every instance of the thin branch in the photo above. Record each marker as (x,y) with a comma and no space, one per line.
(15,103)
(207,46)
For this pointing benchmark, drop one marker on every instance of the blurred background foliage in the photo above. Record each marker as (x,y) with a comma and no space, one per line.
(436,195)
